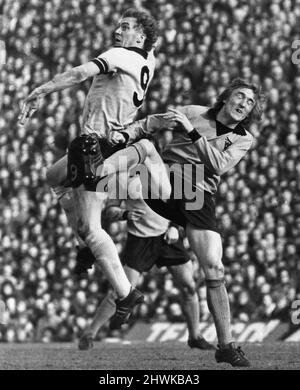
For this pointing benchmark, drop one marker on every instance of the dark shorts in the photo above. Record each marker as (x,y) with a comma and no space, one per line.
(142,253)
(175,210)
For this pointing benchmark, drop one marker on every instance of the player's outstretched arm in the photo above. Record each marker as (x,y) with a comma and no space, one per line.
(69,78)
(61,81)
(149,125)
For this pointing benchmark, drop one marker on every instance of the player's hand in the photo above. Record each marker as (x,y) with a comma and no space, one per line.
(167,121)
(115,137)
(178,117)
(29,106)
(172,235)
(135,215)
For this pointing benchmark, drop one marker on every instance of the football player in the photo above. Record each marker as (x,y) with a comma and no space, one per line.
(121,77)
(210,141)
(150,241)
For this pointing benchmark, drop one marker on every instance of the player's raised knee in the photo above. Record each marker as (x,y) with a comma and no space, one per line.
(148,146)
(214,271)
(56,175)
(52,177)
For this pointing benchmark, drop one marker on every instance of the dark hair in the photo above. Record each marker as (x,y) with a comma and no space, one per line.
(258,108)
(148,24)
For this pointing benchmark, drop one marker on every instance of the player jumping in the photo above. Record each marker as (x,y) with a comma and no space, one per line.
(121,77)
(151,241)
(215,139)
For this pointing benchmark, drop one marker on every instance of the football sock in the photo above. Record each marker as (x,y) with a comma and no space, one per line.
(100,243)
(218,304)
(105,251)
(103,313)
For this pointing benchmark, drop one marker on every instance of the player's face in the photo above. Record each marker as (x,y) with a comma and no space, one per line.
(239,104)
(128,34)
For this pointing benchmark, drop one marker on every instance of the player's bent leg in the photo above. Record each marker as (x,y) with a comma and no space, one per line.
(88,208)
(207,246)
(105,311)
(125,159)
(56,175)
(56,178)
(65,198)
(184,280)
(144,153)
(157,177)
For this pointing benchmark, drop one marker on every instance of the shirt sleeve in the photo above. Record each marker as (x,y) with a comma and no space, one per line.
(220,162)
(156,122)
(144,127)
(110,60)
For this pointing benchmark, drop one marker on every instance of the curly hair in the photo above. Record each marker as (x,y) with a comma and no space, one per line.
(148,24)
(258,108)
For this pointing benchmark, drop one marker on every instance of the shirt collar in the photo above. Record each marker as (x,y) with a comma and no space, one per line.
(138,50)
(222,129)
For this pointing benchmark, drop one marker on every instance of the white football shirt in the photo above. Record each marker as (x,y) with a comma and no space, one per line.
(118,91)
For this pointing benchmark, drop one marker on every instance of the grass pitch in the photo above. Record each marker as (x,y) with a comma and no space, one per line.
(141,356)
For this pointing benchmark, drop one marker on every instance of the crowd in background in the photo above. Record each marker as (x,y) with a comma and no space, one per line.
(202,46)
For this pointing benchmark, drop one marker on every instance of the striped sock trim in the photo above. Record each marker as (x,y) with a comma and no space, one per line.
(139,154)
(141,151)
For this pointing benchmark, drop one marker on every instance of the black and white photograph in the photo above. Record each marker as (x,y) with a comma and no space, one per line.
(149,188)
